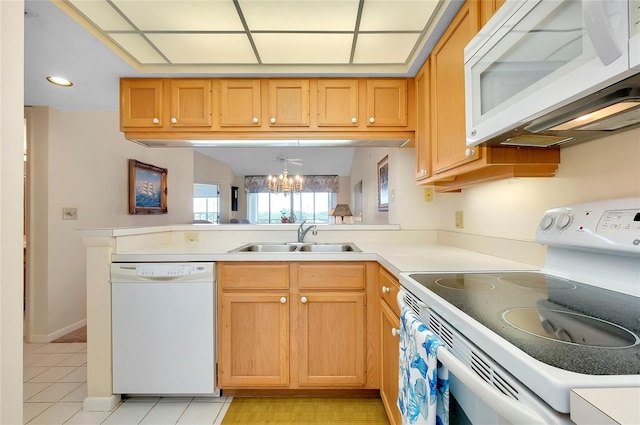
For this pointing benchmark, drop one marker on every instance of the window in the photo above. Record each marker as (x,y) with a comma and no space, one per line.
(206,202)
(319,194)
(266,207)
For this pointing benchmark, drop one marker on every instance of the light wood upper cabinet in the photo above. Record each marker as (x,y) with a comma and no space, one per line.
(240,103)
(455,166)
(142,103)
(423,120)
(488,8)
(331,339)
(338,103)
(165,104)
(190,103)
(289,103)
(386,103)
(448,141)
(254,340)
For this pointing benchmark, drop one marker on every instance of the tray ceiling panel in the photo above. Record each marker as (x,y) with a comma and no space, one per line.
(269,32)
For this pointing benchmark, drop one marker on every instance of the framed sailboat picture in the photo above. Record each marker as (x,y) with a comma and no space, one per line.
(147,188)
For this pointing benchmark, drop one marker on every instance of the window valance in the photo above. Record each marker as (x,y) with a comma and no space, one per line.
(329,184)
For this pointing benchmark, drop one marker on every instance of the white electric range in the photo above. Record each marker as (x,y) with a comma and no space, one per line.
(534,336)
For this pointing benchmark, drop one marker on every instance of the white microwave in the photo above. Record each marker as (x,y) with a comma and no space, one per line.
(540,71)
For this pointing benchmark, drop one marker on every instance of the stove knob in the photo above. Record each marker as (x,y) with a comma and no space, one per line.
(564,220)
(546,222)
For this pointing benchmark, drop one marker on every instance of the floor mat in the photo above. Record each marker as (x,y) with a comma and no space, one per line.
(306,411)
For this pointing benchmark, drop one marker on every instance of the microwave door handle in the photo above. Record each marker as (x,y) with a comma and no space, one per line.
(511,410)
(599,30)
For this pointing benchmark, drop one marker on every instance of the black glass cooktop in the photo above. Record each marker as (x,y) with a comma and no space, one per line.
(566,324)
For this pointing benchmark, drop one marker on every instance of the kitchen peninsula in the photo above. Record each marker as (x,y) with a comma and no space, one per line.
(388,246)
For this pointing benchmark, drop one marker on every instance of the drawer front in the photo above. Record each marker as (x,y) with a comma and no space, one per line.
(389,287)
(253,276)
(339,275)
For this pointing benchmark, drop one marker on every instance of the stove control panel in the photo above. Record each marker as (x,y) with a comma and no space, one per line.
(612,225)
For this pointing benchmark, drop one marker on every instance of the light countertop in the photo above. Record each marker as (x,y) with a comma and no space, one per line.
(396,257)
(603,406)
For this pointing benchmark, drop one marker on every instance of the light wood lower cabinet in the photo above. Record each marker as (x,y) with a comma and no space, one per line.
(298,325)
(331,336)
(254,335)
(390,361)
(390,351)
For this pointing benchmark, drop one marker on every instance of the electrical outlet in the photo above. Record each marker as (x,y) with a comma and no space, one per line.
(192,237)
(428,194)
(459,220)
(69,213)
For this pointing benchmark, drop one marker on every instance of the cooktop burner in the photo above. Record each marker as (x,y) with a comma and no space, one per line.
(536,281)
(571,328)
(465,283)
(566,324)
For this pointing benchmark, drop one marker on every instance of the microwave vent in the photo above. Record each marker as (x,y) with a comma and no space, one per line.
(535,140)
(615,122)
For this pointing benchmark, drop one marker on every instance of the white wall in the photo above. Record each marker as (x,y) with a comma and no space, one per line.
(85,166)
(11,210)
(80,160)
(600,169)
(365,168)
(406,201)
(211,171)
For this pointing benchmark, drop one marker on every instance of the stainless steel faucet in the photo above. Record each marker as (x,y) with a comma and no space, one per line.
(302,232)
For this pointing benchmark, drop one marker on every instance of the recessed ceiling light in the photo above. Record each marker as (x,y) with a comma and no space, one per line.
(59,81)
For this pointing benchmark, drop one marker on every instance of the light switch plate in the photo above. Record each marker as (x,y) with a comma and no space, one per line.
(459,220)
(69,213)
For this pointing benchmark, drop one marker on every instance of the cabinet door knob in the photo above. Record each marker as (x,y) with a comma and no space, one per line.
(273,120)
(156,120)
(372,119)
(174,120)
(255,120)
(354,120)
(395,332)
(469,152)
(386,289)
(303,300)
(283,300)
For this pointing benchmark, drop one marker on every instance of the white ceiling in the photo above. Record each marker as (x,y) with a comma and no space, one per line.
(96,42)
(262,32)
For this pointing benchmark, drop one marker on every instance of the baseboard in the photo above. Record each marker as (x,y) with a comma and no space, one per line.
(100,404)
(45,338)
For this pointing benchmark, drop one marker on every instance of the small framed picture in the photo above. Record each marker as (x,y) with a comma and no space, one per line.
(383,184)
(147,188)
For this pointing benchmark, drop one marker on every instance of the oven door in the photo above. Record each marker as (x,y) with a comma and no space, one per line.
(535,56)
(481,391)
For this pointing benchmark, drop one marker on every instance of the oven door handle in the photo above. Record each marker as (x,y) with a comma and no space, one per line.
(511,410)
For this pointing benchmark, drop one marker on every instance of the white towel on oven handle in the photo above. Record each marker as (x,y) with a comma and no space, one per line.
(423,382)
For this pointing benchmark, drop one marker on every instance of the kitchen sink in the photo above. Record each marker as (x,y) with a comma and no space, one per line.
(297,247)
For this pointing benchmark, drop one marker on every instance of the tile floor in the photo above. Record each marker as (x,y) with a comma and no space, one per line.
(55,384)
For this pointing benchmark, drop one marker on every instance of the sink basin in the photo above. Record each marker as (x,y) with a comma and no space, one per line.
(265,247)
(297,247)
(330,247)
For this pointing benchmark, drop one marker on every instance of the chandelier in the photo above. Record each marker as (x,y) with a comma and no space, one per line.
(284,183)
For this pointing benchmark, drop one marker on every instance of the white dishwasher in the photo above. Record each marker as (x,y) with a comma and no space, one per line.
(164,328)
